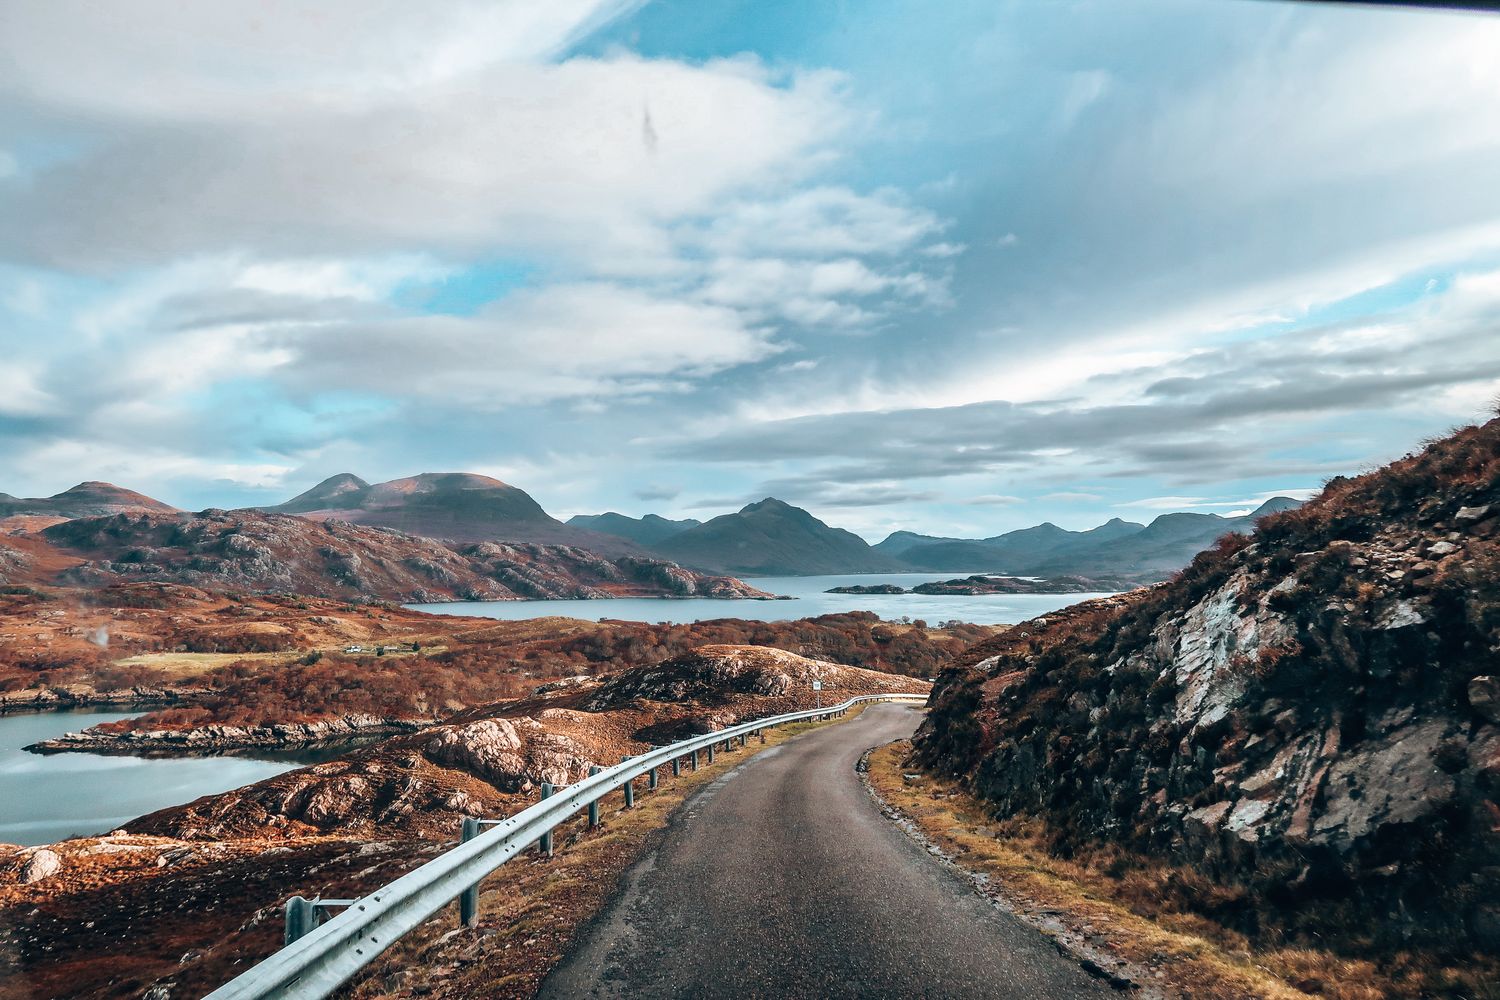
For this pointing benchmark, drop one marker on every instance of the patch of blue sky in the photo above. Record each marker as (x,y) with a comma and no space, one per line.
(465,292)
(272,420)
(1368,305)
(26,155)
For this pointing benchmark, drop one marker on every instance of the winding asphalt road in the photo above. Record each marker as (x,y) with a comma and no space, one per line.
(782,878)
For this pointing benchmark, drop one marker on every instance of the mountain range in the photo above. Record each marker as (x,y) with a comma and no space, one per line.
(767,538)
(1115,548)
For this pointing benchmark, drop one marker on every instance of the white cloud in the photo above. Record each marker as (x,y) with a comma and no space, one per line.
(822,221)
(542,159)
(557,342)
(162,60)
(21,394)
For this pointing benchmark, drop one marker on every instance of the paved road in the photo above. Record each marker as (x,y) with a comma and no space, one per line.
(783,879)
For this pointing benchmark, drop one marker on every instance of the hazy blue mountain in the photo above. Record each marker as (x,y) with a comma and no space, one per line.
(645,530)
(772,538)
(1117,548)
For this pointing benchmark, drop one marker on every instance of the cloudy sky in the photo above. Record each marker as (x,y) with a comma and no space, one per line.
(955,267)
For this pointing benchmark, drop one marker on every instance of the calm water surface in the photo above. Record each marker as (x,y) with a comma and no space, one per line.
(46,798)
(809,600)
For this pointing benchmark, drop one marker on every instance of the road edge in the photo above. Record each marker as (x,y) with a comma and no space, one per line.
(1070,942)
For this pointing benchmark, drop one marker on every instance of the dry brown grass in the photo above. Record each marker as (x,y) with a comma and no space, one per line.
(1137,907)
(532,908)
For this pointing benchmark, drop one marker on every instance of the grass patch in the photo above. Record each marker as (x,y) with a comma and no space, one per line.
(532,908)
(195,664)
(1137,908)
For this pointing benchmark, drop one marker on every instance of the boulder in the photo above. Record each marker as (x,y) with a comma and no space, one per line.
(42,864)
(485,749)
(1484,697)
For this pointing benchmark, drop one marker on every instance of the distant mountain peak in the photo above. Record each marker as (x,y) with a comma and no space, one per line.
(1275,505)
(648,529)
(87,499)
(774,538)
(769,503)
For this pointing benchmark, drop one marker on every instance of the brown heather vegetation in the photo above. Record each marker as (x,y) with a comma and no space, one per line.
(1301,725)
(508,660)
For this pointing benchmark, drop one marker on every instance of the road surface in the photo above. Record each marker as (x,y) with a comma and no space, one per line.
(782,879)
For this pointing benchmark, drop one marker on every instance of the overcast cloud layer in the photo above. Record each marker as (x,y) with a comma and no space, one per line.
(958,268)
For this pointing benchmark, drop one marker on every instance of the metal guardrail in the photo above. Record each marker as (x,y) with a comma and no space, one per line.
(316,964)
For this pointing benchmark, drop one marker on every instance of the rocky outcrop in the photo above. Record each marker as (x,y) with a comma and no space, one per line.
(1310,712)
(714,674)
(985,584)
(41,864)
(512,755)
(33,699)
(227,738)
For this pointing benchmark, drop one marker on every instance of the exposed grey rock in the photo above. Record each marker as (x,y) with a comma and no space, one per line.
(1484,697)
(42,864)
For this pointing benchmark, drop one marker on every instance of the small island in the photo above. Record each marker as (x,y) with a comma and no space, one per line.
(983,583)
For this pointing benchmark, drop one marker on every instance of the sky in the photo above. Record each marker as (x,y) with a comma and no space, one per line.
(956,268)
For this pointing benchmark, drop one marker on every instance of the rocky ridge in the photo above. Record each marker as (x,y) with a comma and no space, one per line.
(1312,713)
(264,553)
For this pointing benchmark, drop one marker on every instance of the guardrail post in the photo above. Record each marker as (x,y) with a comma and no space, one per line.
(594,805)
(762,734)
(300,918)
(710,753)
(695,760)
(545,843)
(629,787)
(676,767)
(651,780)
(468,900)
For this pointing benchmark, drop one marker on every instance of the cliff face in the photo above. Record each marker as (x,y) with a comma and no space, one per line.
(1312,713)
(264,553)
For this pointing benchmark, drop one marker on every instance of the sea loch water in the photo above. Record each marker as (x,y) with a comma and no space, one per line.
(808,600)
(49,797)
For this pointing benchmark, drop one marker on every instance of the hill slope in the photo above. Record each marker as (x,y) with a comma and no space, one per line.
(645,530)
(1310,715)
(270,553)
(461,506)
(84,500)
(773,538)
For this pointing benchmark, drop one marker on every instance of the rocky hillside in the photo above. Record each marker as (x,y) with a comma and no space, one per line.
(177,902)
(263,553)
(482,759)
(458,505)
(772,538)
(1310,715)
